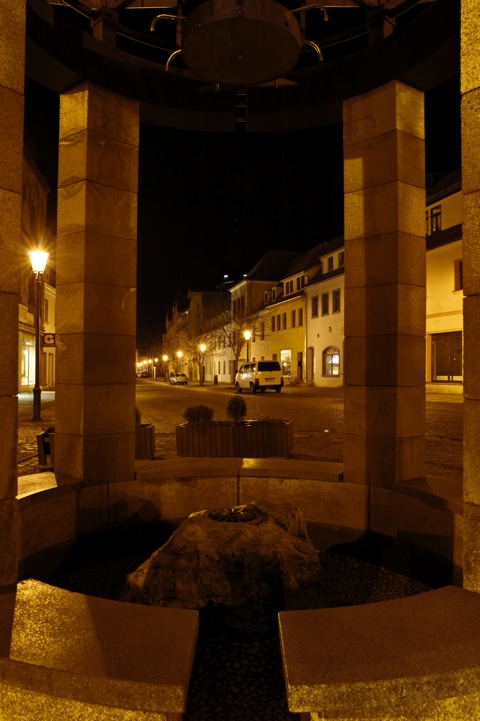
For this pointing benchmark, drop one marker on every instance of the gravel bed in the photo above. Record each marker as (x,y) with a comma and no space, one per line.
(236,677)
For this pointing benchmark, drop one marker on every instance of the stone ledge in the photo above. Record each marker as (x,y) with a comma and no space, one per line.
(96,651)
(415,657)
(241,467)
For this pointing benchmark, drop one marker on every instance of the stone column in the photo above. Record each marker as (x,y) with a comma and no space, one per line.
(12,72)
(470,91)
(96,288)
(384,286)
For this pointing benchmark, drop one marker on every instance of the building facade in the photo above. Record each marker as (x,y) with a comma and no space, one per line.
(292,307)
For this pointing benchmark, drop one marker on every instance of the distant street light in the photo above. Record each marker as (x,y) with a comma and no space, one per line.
(179,356)
(247,334)
(165,359)
(38,259)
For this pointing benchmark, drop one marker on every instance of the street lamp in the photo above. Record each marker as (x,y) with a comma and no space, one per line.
(165,359)
(179,355)
(247,334)
(38,259)
(202,347)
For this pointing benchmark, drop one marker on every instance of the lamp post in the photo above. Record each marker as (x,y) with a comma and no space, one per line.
(179,355)
(202,348)
(165,359)
(247,334)
(38,259)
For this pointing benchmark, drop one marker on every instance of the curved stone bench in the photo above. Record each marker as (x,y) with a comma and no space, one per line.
(65,655)
(412,658)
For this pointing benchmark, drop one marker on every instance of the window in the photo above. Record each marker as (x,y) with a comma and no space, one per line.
(331,361)
(298,283)
(336,300)
(286,361)
(447,360)
(341,259)
(278,322)
(330,263)
(265,297)
(324,303)
(458,275)
(289,286)
(284,321)
(273,323)
(315,306)
(300,315)
(435,219)
(274,293)
(294,318)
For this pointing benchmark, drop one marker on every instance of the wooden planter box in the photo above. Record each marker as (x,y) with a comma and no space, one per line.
(145,441)
(248,439)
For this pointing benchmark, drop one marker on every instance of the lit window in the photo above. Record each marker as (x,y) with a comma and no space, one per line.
(331,361)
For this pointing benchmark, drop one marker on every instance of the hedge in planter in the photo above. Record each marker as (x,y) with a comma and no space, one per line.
(200,436)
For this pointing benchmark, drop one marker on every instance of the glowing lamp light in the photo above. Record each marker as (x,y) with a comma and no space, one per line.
(38,259)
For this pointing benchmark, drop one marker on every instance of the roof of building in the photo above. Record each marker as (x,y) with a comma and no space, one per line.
(272,265)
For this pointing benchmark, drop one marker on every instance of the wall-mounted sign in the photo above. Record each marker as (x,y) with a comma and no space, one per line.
(49,339)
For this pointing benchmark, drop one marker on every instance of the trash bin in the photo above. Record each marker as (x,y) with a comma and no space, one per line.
(215,380)
(45,446)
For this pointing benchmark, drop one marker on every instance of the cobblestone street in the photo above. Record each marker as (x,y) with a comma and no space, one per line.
(318,415)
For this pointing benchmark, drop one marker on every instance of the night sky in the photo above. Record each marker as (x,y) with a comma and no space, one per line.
(211,204)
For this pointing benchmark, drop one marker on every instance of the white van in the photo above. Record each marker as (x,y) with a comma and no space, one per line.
(259,376)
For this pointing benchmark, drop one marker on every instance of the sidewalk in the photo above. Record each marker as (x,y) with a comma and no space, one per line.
(28,430)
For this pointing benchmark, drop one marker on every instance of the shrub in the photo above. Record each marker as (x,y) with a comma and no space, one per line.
(198,415)
(236,409)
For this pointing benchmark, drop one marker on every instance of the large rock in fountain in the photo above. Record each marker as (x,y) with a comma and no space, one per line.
(240,565)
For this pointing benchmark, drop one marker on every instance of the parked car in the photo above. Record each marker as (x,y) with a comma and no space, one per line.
(178,379)
(142,373)
(259,376)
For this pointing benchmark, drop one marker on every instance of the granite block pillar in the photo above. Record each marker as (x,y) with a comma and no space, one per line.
(12,70)
(384,184)
(470,92)
(96,287)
